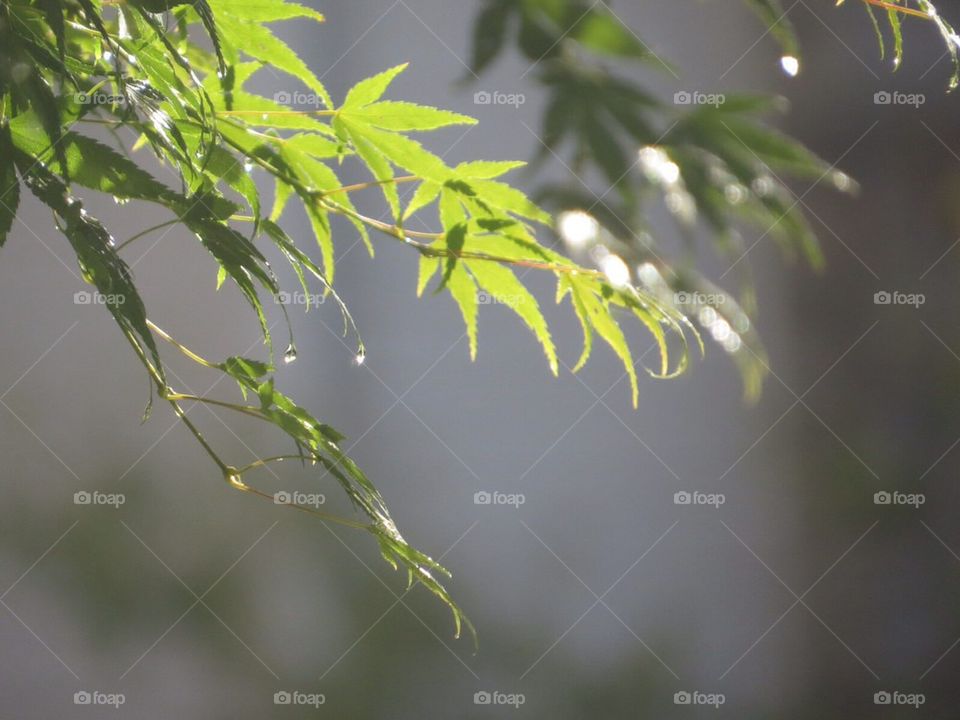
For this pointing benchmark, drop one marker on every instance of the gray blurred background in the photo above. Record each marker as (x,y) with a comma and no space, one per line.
(599,597)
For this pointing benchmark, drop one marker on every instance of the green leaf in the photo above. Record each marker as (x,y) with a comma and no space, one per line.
(405,116)
(894,19)
(503,288)
(876,29)
(315,145)
(464,290)
(375,161)
(400,150)
(226,167)
(772,14)
(9,185)
(509,199)
(259,42)
(248,373)
(371,89)
(603,33)
(486,169)
(428,267)
(90,163)
(264,10)
(590,300)
(489,33)
(426,193)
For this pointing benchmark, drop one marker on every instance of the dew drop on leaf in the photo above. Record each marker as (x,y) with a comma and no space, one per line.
(290,354)
(248,166)
(578,229)
(232,476)
(790,65)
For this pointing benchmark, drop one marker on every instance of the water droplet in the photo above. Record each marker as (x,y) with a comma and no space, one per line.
(264,116)
(790,65)
(360,358)
(842,181)
(232,476)
(734,193)
(733,343)
(578,229)
(248,166)
(762,185)
(658,166)
(615,269)
(290,355)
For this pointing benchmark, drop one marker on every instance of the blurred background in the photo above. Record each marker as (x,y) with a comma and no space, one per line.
(598,596)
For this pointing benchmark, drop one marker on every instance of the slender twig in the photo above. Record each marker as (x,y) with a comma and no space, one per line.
(149,230)
(323,113)
(181,414)
(182,348)
(370,184)
(244,409)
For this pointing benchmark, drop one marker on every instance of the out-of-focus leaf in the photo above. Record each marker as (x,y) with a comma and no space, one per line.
(9,185)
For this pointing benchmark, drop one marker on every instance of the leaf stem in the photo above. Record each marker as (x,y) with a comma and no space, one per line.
(149,230)
(243,409)
(365,185)
(182,348)
(240,113)
(180,413)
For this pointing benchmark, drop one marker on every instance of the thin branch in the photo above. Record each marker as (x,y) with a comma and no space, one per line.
(149,230)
